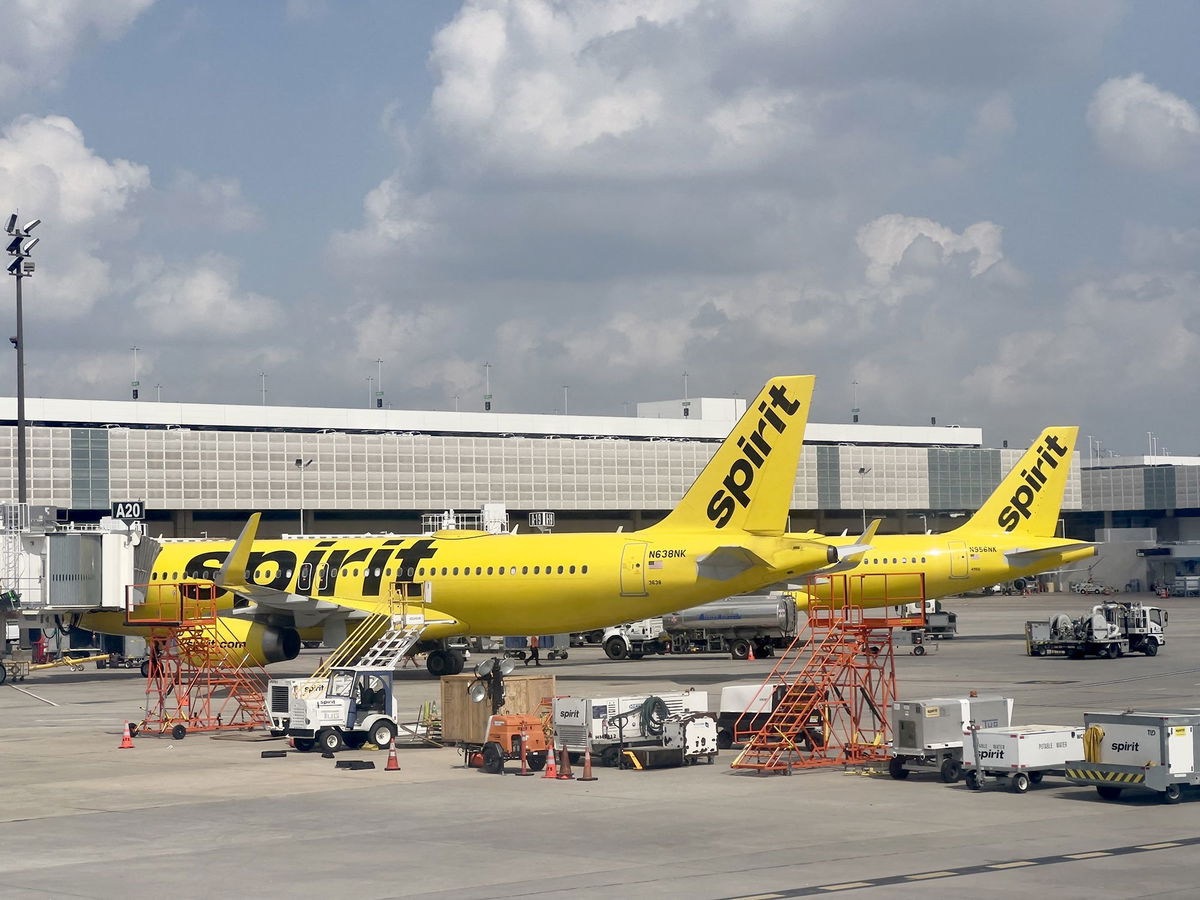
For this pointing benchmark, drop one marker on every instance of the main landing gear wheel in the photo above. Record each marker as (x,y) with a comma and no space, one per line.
(444,662)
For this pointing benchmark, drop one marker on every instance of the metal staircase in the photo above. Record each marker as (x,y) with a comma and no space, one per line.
(833,687)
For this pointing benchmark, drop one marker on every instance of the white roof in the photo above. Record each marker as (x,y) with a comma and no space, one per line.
(154,414)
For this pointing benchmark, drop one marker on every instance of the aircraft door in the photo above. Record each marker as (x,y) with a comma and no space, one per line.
(958,559)
(633,569)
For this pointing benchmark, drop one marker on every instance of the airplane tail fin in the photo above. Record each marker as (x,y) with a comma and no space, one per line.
(748,484)
(1030,497)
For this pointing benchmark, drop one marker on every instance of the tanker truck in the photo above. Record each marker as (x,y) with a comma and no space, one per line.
(762,622)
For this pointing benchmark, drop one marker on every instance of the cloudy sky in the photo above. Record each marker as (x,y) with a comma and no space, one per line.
(981,211)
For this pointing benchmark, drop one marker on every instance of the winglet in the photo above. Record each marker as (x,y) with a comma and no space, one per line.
(232,575)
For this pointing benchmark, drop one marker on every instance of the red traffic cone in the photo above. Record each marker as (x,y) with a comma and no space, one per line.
(550,772)
(564,768)
(126,739)
(750,655)
(587,765)
(393,764)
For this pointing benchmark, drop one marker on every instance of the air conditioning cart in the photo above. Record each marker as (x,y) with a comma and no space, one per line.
(929,733)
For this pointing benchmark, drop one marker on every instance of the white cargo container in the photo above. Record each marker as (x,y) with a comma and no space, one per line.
(1158,750)
(1020,755)
(604,724)
(929,732)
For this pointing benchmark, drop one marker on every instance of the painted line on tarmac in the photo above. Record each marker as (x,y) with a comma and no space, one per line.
(32,694)
(838,887)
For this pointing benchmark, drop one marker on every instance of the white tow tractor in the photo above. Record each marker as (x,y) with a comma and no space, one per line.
(355,705)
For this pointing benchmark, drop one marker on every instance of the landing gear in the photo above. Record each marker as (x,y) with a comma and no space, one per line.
(444,662)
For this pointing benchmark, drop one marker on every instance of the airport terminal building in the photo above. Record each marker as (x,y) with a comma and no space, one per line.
(201,468)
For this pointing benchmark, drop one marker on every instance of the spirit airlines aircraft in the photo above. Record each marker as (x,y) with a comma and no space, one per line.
(726,536)
(1011,536)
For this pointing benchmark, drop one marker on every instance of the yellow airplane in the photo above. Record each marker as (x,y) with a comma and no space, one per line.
(1011,536)
(726,536)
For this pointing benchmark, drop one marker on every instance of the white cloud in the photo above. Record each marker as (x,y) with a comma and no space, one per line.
(39,38)
(200,298)
(46,167)
(1140,125)
(886,240)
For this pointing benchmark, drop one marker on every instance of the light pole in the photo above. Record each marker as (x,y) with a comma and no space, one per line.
(379,384)
(301,465)
(21,267)
(133,385)
(487,387)
(863,471)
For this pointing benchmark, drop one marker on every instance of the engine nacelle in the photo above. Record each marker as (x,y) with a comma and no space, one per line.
(241,641)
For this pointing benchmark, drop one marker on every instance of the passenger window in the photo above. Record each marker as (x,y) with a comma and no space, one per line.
(524,570)
(489,570)
(583,571)
(512,571)
(443,570)
(572,570)
(455,571)
(537,570)
(479,570)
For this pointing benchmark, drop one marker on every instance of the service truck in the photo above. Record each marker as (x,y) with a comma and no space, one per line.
(761,623)
(1108,631)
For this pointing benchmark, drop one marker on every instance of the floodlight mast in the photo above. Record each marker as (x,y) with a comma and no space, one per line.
(21,267)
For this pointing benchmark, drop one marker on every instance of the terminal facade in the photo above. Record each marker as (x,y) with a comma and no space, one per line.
(201,468)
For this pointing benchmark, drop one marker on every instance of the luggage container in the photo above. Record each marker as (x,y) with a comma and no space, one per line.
(1156,750)
(1020,755)
(929,733)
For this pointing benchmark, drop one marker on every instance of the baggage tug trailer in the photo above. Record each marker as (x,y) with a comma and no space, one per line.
(1157,750)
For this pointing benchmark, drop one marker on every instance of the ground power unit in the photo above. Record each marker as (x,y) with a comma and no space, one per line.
(929,733)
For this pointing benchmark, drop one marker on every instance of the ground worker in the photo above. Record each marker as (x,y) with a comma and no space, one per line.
(533,652)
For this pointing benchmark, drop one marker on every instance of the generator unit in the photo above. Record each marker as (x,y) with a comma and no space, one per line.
(604,724)
(1158,750)
(929,732)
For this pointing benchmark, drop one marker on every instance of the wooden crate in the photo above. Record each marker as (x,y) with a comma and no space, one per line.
(466,722)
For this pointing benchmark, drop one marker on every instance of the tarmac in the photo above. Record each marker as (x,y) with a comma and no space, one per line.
(207,816)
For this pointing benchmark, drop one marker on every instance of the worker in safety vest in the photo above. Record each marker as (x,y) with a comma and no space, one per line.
(533,652)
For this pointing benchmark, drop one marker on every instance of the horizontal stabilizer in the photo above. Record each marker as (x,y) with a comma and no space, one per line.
(850,555)
(1019,558)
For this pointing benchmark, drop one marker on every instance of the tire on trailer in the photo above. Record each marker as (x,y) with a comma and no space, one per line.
(616,648)
(536,761)
(493,758)
(1036,777)
(1019,782)
(1172,794)
(951,770)
(896,768)
(971,779)
(724,739)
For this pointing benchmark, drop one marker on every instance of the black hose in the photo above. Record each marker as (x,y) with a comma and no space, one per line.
(654,715)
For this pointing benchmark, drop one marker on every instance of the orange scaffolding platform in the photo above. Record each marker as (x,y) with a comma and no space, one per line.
(833,686)
(200,676)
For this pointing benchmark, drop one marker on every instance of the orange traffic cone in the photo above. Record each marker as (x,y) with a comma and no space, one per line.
(393,764)
(564,768)
(750,655)
(550,770)
(126,739)
(587,765)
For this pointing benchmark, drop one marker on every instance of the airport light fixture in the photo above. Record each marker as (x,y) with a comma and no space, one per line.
(301,465)
(21,267)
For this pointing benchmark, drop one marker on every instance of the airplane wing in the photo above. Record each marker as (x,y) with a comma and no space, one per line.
(725,563)
(1021,557)
(304,612)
